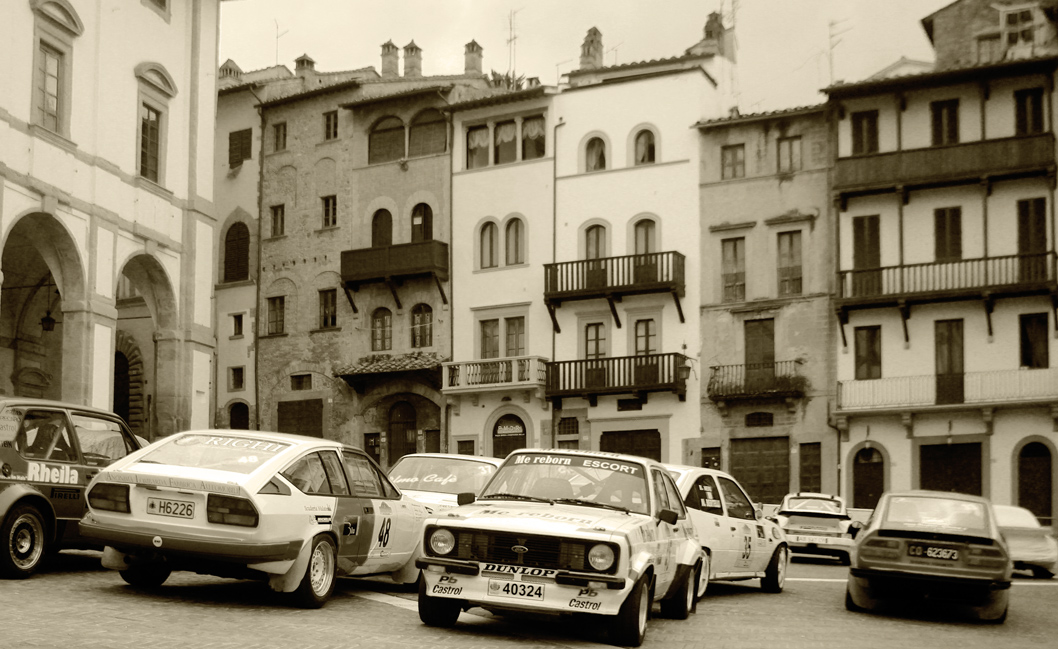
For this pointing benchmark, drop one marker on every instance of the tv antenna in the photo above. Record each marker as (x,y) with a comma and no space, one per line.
(512,47)
(834,42)
(278,35)
(614,50)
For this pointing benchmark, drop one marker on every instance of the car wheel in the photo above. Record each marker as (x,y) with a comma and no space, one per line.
(995,612)
(437,611)
(318,583)
(703,578)
(775,576)
(849,604)
(1041,573)
(25,542)
(630,625)
(845,559)
(683,603)
(146,575)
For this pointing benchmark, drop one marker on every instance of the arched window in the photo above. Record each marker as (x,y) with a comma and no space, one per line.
(381,330)
(421,223)
(237,253)
(595,242)
(386,142)
(644,147)
(488,245)
(381,229)
(595,155)
(402,430)
(428,134)
(645,237)
(239,417)
(868,478)
(513,238)
(421,326)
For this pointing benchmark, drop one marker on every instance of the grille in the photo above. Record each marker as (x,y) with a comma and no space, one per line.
(542,551)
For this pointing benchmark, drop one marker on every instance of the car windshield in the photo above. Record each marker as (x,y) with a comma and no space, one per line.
(798,504)
(219,452)
(926,511)
(447,475)
(587,480)
(1015,517)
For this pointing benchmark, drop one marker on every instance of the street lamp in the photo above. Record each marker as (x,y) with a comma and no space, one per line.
(47,323)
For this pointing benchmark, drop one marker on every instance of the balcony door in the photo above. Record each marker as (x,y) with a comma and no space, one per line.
(594,252)
(646,262)
(948,343)
(866,256)
(868,478)
(1032,240)
(760,354)
(646,372)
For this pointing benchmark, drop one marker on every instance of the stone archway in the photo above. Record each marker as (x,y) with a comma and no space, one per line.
(132,402)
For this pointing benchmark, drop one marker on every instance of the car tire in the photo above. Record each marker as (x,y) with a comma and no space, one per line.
(25,536)
(437,611)
(146,575)
(703,578)
(849,604)
(775,575)
(995,612)
(629,626)
(320,573)
(684,602)
(845,559)
(1041,573)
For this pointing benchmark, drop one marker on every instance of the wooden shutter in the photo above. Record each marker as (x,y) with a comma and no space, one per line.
(237,253)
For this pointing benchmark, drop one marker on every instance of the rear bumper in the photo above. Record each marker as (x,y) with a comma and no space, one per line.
(130,542)
(885,584)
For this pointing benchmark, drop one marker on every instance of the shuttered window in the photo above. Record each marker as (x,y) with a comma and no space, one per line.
(237,253)
(428,134)
(239,147)
(386,143)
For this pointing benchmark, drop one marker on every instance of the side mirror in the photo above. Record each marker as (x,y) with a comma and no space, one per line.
(465,498)
(758,514)
(668,516)
(854,528)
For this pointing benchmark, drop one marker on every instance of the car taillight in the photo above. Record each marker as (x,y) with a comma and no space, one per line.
(986,557)
(110,497)
(230,511)
(879,549)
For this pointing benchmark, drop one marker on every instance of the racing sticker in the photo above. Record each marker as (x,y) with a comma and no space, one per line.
(746,546)
(40,472)
(617,466)
(536,514)
(9,422)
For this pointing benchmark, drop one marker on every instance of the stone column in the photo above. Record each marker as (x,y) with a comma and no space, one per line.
(171,408)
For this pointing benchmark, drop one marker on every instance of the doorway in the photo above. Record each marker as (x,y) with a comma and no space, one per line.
(868,478)
(951,467)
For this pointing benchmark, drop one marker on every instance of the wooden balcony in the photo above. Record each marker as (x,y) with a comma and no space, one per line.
(393,265)
(515,373)
(929,391)
(756,381)
(935,166)
(634,375)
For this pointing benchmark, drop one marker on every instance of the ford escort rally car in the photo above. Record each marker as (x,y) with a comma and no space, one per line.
(565,531)
(297,511)
(49,450)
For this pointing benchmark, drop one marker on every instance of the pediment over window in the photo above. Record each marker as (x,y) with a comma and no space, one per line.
(158,77)
(60,13)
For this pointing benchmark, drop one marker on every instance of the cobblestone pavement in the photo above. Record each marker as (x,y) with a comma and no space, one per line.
(74,602)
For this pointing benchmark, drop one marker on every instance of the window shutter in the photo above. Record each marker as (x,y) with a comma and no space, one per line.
(237,253)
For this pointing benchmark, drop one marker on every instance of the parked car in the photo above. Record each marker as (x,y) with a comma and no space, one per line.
(817,524)
(435,479)
(932,546)
(565,531)
(49,450)
(298,511)
(738,542)
(1032,546)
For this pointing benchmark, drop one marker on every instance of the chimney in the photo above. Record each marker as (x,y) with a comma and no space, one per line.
(591,50)
(412,60)
(389,60)
(472,59)
(304,65)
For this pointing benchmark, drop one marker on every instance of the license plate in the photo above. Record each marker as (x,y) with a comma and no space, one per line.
(809,539)
(175,508)
(514,589)
(932,552)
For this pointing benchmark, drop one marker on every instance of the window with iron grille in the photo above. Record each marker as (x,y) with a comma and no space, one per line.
(381,330)
(276,315)
(569,426)
(301,382)
(279,136)
(421,326)
(733,255)
(330,211)
(733,161)
(789,269)
(328,308)
(240,146)
(236,378)
(278,220)
(330,125)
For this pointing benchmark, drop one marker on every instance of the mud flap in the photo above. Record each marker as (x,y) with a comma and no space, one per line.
(114,560)
(289,581)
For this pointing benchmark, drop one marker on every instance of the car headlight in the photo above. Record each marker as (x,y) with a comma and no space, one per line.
(600,556)
(442,541)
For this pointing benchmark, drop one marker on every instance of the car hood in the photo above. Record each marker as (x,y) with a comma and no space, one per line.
(433,499)
(541,518)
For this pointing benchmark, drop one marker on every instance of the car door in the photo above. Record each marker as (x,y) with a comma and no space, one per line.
(667,535)
(384,547)
(403,532)
(706,511)
(742,522)
(53,465)
(348,510)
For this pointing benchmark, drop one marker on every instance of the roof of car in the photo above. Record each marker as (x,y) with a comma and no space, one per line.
(686,468)
(9,401)
(812,494)
(289,438)
(949,495)
(495,461)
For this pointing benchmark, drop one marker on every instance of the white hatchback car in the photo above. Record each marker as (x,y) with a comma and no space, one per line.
(298,511)
(816,523)
(739,543)
(435,479)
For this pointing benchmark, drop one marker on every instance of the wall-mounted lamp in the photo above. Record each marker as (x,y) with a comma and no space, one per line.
(47,323)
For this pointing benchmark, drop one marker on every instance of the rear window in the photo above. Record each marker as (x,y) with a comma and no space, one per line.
(936,512)
(824,505)
(440,474)
(218,452)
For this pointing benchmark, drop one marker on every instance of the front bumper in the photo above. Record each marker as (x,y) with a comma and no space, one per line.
(891,584)
(131,541)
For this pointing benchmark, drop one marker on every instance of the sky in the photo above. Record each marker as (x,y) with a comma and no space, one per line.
(784,50)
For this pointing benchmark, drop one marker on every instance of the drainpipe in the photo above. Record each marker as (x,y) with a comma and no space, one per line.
(257,273)
(554,252)
(837,432)
(447,418)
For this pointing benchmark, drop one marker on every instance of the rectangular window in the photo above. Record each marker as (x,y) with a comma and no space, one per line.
(789,154)
(477,147)
(865,132)
(236,378)
(276,315)
(301,382)
(278,217)
(330,211)
(790,263)
(646,337)
(465,447)
(515,330)
(594,341)
(150,141)
(490,339)
(533,138)
(236,324)
(811,467)
(421,327)
(868,353)
(1019,27)
(328,308)
(240,146)
(988,49)
(279,136)
(381,330)
(734,269)
(1034,351)
(733,161)
(330,125)
(505,142)
(1028,111)
(947,233)
(945,121)
(49,88)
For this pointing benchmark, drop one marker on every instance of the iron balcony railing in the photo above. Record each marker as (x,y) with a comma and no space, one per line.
(930,389)
(654,272)
(623,374)
(494,374)
(1009,272)
(756,380)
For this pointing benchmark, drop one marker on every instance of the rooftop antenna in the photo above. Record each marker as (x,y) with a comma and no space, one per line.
(512,58)
(614,50)
(834,42)
(278,35)
(558,77)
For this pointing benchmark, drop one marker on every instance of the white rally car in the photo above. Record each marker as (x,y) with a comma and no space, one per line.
(565,531)
(296,510)
(816,523)
(436,479)
(739,543)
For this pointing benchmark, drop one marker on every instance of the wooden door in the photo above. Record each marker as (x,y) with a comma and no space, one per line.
(868,478)
(762,466)
(866,256)
(948,343)
(951,467)
(760,354)
(1032,240)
